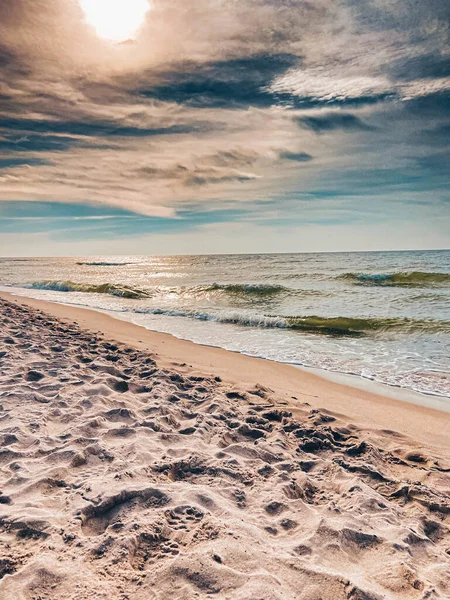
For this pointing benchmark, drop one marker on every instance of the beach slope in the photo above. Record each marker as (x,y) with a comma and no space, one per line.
(137,466)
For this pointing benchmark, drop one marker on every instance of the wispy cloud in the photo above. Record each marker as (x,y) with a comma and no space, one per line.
(226,103)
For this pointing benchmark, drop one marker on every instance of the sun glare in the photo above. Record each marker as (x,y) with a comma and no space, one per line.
(115,20)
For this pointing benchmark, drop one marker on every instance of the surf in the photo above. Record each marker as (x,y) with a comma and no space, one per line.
(103,288)
(400,279)
(332,326)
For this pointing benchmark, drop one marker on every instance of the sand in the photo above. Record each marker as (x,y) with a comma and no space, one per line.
(137,466)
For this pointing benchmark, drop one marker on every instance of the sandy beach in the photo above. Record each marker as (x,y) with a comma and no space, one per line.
(134,465)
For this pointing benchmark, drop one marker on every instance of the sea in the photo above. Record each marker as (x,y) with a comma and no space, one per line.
(379,316)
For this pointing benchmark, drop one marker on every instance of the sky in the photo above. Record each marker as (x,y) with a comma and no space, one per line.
(216,126)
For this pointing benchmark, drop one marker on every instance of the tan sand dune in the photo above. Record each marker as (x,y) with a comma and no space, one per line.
(134,466)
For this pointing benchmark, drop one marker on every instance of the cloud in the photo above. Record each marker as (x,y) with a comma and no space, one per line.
(425,66)
(218,103)
(22,142)
(334,121)
(196,176)
(236,83)
(10,163)
(98,128)
(296,156)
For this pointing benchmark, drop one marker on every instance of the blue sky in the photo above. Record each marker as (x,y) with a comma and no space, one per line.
(259,125)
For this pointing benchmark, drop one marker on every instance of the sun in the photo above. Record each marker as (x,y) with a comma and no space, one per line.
(115,20)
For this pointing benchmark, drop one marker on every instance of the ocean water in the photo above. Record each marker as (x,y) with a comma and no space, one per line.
(383,316)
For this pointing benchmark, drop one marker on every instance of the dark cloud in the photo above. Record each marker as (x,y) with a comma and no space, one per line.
(9,163)
(195,176)
(36,143)
(296,156)
(174,172)
(425,66)
(334,121)
(236,83)
(242,83)
(200,180)
(97,129)
(430,106)
(437,137)
(233,158)
(6,57)
(401,16)
(340,101)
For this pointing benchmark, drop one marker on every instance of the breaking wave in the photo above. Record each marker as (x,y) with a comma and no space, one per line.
(249,288)
(103,288)
(251,291)
(335,326)
(401,279)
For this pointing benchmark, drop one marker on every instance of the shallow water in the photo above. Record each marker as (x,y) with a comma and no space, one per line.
(382,315)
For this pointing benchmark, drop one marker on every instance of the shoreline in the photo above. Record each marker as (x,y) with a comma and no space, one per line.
(382,383)
(427,400)
(367,408)
(136,465)
(432,400)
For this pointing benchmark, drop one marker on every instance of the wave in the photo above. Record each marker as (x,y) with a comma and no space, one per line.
(236,290)
(253,289)
(356,326)
(104,288)
(103,264)
(401,279)
(334,326)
